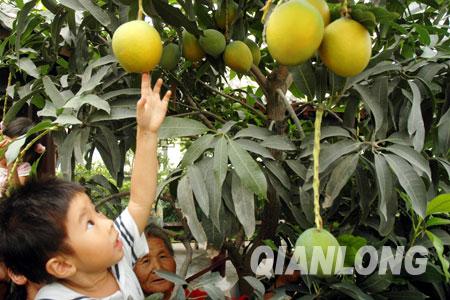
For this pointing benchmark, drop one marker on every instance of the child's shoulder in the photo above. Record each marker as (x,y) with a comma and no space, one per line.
(57,291)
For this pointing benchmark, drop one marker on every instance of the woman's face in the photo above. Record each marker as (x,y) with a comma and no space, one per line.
(158,258)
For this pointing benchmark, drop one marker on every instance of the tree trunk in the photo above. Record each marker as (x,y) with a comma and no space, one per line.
(276,111)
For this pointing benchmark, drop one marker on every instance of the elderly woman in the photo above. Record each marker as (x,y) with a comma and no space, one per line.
(159,257)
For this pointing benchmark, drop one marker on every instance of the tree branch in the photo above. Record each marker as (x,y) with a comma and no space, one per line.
(292,113)
(243,103)
(110,197)
(259,76)
(202,116)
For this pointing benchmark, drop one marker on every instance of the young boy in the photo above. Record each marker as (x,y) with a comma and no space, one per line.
(51,233)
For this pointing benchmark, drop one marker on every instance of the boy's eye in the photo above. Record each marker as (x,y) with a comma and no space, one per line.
(90,224)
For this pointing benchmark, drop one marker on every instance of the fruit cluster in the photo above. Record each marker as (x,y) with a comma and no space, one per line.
(295,31)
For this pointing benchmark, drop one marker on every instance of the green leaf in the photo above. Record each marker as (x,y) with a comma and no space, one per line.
(199,188)
(339,178)
(81,145)
(413,157)
(326,132)
(424,36)
(244,205)
(304,79)
(49,110)
(385,185)
(14,149)
(375,97)
(381,67)
(430,70)
(28,66)
(438,245)
(352,244)
(186,202)
(196,149)
(254,132)
(121,92)
(155,296)
(53,93)
(108,147)
(22,21)
(173,16)
(416,126)
(254,147)
(405,295)
(439,204)
(64,119)
(78,101)
(445,164)
(174,127)
(436,221)
(351,290)
(95,80)
(248,170)
(258,287)
(444,134)
(87,74)
(278,142)
(277,169)
(98,13)
(41,126)
(119,109)
(215,196)
(66,150)
(332,152)
(410,181)
(227,126)
(220,162)
(172,277)
(297,167)
(377,283)
(73,4)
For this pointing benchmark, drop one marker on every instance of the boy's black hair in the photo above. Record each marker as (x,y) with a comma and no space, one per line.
(154,230)
(32,226)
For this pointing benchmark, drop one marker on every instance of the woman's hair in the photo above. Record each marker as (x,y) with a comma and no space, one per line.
(19,127)
(153,230)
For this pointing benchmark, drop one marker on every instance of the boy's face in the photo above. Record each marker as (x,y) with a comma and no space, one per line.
(158,258)
(92,236)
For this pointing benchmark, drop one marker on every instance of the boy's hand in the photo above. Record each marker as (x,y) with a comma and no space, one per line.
(150,109)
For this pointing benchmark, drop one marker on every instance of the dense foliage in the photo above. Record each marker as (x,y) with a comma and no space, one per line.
(385,136)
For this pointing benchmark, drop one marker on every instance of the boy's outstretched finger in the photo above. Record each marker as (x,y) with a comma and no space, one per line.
(157,87)
(145,84)
(167,97)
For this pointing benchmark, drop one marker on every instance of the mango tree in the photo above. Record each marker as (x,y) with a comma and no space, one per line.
(247,177)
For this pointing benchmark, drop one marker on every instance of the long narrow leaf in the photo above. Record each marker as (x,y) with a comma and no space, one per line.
(199,188)
(244,205)
(410,181)
(186,202)
(247,169)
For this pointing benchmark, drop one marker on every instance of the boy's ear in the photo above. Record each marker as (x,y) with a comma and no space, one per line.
(60,267)
(17,279)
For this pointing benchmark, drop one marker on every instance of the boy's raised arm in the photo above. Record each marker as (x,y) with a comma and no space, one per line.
(150,113)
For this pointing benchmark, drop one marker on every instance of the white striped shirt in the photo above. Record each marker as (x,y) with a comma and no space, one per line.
(134,246)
